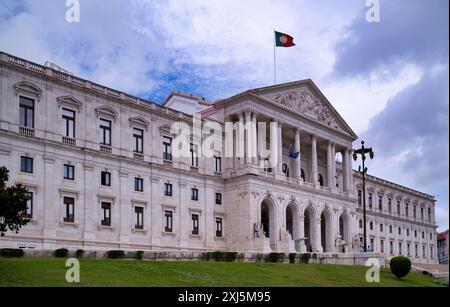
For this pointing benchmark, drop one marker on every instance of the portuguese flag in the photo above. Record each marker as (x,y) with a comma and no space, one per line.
(283,40)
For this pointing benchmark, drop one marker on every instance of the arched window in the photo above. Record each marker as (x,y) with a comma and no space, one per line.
(320,180)
(302,174)
(285,169)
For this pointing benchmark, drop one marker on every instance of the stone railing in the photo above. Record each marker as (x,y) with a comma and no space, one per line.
(66,77)
(26,131)
(69,141)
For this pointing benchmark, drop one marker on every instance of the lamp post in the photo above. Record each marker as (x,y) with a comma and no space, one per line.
(363,151)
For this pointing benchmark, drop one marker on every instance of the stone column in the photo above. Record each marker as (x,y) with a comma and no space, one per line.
(274,148)
(314,160)
(298,162)
(344,170)
(254,140)
(280,147)
(333,163)
(317,242)
(241,138)
(330,178)
(248,139)
(350,170)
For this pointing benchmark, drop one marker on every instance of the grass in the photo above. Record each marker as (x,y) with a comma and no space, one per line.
(111,273)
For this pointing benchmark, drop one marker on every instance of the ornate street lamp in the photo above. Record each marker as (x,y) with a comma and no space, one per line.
(363,151)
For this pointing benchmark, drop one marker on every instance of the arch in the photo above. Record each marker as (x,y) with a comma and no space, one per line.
(291,220)
(320,180)
(309,223)
(326,231)
(302,174)
(268,219)
(344,227)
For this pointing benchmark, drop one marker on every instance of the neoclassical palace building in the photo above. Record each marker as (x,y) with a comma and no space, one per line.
(101,173)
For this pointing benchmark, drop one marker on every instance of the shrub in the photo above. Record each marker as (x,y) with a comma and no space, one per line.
(292,257)
(115,254)
(222,256)
(11,252)
(259,257)
(140,255)
(241,257)
(79,253)
(275,257)
(61,253)
(304,258)
(400,266)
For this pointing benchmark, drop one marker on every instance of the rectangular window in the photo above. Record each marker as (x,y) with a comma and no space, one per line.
(370,200)
(417,251)
(399,231)
(408,249)
(68,123)
(105,132)
(400,248)
(218,199)
(380,203)
(407,210)
(414,212)
(139,184)
(219,230)
(372,247)
(431,252)
(195,224)
(169,221)
(29,211)
(423,252)
(390,205)
(429,214)
(359,197)
(390,228)
(138,137)
(391,247)
(69,172)
(398,207)
(217,164)
(381,227)
(26,112)
(106,179)
(69,212)
(194,155)
(167,148)
(139,211)
(407,232)
(168,189)
(26,165)
(421,214)
(382,246)
(194,194)
(106,208)
(371,225)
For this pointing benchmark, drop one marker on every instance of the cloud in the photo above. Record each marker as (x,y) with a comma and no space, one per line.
(410,31)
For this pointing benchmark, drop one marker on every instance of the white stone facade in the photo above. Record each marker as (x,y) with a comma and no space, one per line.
(304,210)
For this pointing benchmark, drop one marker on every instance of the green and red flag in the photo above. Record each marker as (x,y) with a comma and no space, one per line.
(283,40)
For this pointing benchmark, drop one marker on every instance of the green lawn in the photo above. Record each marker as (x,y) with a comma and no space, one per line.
(51,272)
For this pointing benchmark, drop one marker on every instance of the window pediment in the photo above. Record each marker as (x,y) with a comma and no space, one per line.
(28,88)
(106,111)
(139,121)
(69,100)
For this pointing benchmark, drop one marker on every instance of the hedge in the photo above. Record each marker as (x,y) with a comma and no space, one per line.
(61,253)
(12,252)
(115,254)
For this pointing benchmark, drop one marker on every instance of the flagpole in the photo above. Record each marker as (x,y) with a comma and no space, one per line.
(274,58)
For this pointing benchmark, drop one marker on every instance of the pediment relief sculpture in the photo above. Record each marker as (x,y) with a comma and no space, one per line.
(304,102)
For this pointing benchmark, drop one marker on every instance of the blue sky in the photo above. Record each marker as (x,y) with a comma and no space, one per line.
(389,80)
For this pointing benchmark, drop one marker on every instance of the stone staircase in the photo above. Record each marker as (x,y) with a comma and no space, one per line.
(438,271)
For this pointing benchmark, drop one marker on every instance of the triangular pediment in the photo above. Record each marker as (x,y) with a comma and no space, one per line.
(70,100)
(304,98)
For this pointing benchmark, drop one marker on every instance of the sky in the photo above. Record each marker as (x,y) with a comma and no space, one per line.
(389,79)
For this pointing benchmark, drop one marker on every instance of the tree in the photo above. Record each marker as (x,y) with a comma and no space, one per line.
(13,203)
